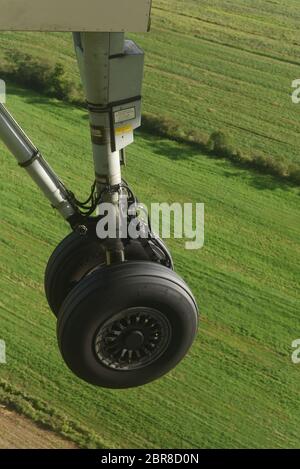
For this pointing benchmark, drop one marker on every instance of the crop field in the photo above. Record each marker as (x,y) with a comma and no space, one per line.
(238,386)
(218,64)
(226,65)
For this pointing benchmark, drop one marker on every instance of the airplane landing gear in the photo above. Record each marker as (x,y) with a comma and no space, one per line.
(124,317)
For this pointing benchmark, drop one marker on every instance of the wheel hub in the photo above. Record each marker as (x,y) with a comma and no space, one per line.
(134,338)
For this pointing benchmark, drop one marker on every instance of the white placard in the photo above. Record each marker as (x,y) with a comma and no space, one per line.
(125,115)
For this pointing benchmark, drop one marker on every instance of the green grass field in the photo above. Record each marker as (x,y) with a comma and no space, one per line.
(238,387)
(218,64)
(226,65)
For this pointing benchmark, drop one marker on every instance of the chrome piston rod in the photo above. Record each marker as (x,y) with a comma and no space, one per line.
(29,157)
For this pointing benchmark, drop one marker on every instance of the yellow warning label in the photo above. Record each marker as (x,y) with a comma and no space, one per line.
(124,130)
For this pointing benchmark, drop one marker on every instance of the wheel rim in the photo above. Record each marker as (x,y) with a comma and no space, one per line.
(133,339)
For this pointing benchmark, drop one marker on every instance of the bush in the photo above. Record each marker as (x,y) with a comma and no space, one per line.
(242,158)
(171,129)
(294,173)
(41,76)
(218,144)
(162,126)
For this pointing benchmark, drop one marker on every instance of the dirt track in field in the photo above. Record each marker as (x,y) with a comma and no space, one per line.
(20,433)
